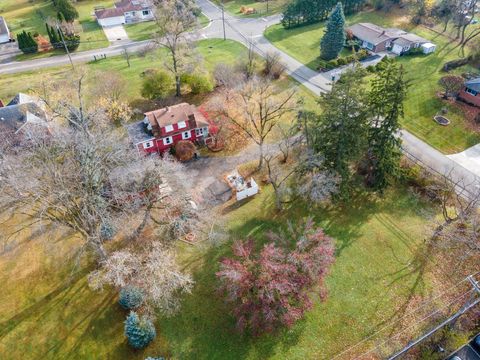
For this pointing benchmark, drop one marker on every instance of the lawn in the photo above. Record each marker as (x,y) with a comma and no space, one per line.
(146,30)
(31,15)
(274,7)
(50,313)
(213,52)
(423,71)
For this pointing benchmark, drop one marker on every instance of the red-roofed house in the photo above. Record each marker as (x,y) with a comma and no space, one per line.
(163,128)
(125,12)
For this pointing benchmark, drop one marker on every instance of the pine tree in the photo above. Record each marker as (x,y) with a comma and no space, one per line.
(67,10)
(130,297)
(26,43)
(334,38)
(388,91)
(339,135)
(139,331)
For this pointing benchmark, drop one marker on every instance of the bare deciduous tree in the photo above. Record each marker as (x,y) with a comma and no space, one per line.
(174,19)
(83,176)
(256,108)
(153,269)
(460,225)
(109,85)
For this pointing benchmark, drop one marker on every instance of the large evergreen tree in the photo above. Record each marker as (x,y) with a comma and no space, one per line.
(67,10)
(339,135)
(386,97)
(334,38)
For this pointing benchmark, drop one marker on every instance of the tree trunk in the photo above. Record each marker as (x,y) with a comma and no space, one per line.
(177,85)
(97,245)
(260,161)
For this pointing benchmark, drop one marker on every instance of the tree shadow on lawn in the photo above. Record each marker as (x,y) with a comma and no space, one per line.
(205,329)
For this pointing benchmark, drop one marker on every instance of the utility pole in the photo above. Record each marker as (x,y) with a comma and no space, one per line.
(223,21)
(65,45)
(267,7)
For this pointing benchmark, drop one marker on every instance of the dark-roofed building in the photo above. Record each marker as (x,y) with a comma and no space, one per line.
(378,39)
(21,120)
(163,128)
(4,32)
(471,92)
(125,12)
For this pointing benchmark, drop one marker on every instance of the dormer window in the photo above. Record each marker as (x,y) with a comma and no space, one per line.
(186,135)
(169,128)
(182,125)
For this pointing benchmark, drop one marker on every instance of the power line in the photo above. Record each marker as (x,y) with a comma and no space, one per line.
(393,322)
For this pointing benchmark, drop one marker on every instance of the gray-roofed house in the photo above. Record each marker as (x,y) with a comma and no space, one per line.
(125,12)
(471,92)
(21,119)
(378,39)
(4,32)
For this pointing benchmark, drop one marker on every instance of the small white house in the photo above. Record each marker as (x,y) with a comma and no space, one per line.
(125,12)
(428,48)
(4,32)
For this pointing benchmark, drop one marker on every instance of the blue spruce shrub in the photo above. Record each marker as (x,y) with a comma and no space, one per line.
(106,231)
(139,331)
(130,297)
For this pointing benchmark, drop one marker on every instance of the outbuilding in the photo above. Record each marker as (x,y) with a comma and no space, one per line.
(428,48)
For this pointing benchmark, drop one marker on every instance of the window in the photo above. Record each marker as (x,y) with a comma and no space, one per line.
(169,128)
(167,140)
(186,135)
(368,45)
(205,131)
(146,12)
(198,132)
(182,125)
(148,144)
(471,92)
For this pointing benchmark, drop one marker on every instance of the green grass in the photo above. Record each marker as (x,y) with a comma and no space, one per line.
(49,314)
(146,30)
(213,52)
(274,7)
(31,15)
(424,72)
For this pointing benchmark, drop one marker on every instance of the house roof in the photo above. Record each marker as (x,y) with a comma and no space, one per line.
(376,34)
(138,132)
(174,114)
(3,26)
(122,7)
(370,32)
(22,98)
(473,84)
(14,117)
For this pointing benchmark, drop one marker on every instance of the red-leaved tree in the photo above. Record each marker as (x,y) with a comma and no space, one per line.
(273,288)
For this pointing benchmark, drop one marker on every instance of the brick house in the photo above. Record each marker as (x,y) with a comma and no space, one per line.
(471,92)
(163,128)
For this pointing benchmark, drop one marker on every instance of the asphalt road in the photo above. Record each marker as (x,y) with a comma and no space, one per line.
(249,31)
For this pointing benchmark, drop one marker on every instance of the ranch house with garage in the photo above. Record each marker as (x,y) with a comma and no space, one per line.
(125,12)
(378,39)
(163,128)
